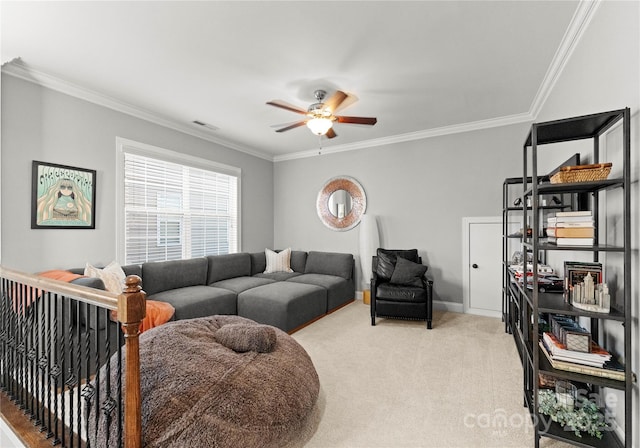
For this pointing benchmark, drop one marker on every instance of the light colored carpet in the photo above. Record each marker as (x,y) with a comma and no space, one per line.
(400,385)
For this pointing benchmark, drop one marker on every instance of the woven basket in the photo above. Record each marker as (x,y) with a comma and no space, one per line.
(582,173)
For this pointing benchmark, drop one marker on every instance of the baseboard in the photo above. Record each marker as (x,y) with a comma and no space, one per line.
(448,306)
(437,304)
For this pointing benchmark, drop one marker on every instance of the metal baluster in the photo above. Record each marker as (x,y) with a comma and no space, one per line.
(19,375)
(32,355)
(119,385)
(88,390)
(56,369)
(81,307)
(3,332)
(11,348)
(47,366)
(97,371)
(37,378)
(109,403)
(69,382)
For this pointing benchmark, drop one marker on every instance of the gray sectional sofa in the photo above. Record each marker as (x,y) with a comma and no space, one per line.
(236,284)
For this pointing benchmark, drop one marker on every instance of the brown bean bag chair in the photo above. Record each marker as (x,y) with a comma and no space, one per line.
(197,392)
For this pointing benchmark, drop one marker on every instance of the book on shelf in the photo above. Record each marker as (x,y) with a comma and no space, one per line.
(555,224)
(612,369)
(570,241)
(574,213)
(571,232)
(595,358)
(569,219)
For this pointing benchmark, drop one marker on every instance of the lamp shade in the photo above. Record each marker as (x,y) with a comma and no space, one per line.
(369,243)
(319,126)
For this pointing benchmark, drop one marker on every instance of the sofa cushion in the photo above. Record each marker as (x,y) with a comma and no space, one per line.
(298,260)
(239,284)
(408,273)
(330,263)
(285,305)
(278,276)
(385,265)
(222,267)
(278,261)
(198,301)
(339,290)
(160,276)
(258,262)
(401,293)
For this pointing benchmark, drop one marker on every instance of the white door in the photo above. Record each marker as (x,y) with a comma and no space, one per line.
(482,266)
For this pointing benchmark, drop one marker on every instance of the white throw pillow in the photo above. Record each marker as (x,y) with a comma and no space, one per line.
(278,261)
(111,275)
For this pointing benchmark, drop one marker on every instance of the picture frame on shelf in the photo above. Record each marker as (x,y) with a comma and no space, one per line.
(576,271)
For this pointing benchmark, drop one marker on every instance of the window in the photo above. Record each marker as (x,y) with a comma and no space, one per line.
(174,206)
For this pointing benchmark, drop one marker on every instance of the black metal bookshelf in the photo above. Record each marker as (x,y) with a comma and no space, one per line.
(523,308)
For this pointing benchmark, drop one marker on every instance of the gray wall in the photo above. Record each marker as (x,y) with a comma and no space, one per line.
(604,74)
(41,124)
(419,191)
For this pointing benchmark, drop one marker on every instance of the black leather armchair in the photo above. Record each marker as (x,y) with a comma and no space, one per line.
(399,286)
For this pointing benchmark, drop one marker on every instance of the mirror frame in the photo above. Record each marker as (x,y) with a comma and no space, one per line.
(358,199)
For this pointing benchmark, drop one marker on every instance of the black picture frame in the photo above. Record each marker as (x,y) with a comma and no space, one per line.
(62,197)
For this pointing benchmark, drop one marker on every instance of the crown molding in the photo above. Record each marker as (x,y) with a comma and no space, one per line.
(579,22)
(410,136)
(582,17)
(18,69)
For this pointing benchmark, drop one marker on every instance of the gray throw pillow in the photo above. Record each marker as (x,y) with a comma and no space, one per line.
(408,273)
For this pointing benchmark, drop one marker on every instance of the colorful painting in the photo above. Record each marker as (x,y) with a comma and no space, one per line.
(63,197)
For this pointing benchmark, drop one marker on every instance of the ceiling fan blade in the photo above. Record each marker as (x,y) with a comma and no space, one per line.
(358,120)
(335,101)
(294,125)
(331,133)
(287,106)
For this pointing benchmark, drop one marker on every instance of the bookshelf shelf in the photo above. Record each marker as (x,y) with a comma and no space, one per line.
(527,310)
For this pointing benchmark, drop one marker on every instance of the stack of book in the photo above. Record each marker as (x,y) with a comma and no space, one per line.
(571,228)
(597,362)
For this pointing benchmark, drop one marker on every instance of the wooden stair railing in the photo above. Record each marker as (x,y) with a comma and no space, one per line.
(46,329)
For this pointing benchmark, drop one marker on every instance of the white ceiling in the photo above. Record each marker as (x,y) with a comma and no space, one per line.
(420,67)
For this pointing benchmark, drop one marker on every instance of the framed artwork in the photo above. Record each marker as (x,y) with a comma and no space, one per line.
(62,197)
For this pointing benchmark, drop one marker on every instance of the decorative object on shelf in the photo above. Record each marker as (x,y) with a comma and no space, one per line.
(369,242)
(576,271)
(63,197)
(583,416)
(582,173)
(566,394)
(570,333)
(354,201)
(590,297)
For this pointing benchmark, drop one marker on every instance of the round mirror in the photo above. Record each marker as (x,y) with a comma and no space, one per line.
(341,203)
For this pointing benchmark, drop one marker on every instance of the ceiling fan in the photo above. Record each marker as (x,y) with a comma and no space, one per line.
(320,115)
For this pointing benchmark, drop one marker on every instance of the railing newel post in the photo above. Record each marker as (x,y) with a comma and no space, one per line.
(131,311)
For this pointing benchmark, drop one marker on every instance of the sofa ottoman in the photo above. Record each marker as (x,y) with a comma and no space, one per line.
(339,292)
(197,301)
(285,305)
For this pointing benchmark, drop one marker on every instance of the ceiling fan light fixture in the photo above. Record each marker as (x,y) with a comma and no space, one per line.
(319,125)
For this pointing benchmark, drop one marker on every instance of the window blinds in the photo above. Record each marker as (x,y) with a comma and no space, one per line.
(175,211)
